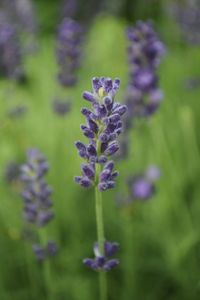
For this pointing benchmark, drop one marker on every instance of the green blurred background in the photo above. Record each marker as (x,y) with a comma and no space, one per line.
(159,239)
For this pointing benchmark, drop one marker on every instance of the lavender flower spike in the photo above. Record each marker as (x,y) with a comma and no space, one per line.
(68,51)
(36,195)
(10,52)
(103,126)
(143,95)
(145,52)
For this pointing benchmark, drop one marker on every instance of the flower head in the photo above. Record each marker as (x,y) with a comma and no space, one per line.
(103,127)
(36,196)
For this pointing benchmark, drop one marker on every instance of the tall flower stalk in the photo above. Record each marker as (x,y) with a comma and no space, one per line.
(38,209)
(143,95)
(103,127)
(68,51)
(10,51)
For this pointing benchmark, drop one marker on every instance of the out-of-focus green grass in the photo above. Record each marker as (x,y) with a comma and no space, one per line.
(160,239)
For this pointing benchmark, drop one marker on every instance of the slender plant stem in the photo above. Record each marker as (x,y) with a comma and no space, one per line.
(46,267)
(100,235)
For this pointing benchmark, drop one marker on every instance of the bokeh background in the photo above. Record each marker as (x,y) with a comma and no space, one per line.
(159,238)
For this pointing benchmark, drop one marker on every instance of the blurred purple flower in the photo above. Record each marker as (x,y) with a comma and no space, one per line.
(143,95)
(142,186)
(145,52)
(42,252)
(68,51)
(10,52)
(187,15)
(103,262)
(12,172)
(61,107)
(36,195)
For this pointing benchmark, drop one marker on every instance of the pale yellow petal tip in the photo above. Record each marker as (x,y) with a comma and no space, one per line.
(101,92)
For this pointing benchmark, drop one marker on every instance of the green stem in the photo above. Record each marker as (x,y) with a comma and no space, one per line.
(46,267)
(100,234)
(99,220)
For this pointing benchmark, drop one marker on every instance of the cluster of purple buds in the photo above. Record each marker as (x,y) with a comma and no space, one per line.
(188,18)
(103,262)
(142,186)
(103,127)
(10,52)
(36,193)
(37,202)
(68,51)
(144,52)
(42,252)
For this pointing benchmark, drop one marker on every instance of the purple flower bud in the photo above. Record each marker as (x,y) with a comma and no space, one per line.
(112,148)
(110,264)
(52,248)
(93,126)
(104,147)
(109,166)
(110,184)
(105,175)
(85,182)
(108,103)
(89,97)
(145,80)
(96,84)
(114,175)
(91,150)
(103,137)
(44,218)
(111,248)
(101,111)
(121,110)
(87,132)
(103,186)
(88,171)
(89,262)
(80,146)
(111,128)
(39,252)
(114,118)
(86,112)
(78,179)
(102,159)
